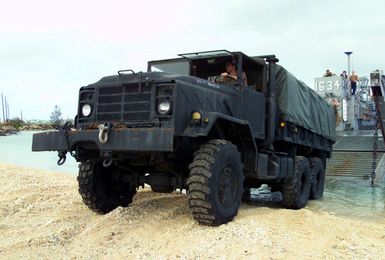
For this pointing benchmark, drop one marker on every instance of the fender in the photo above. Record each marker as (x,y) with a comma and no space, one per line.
(238,131)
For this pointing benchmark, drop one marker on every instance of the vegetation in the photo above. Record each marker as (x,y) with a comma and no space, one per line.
(56,116)
(16,123)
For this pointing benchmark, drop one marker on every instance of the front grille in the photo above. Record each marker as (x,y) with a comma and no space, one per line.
(124,103)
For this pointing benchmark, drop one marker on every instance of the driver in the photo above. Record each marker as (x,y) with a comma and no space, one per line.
(231,73)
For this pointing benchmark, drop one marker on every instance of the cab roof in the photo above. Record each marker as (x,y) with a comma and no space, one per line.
(222,54)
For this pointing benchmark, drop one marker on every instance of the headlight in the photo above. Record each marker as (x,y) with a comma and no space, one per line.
(164,107)
(86,110)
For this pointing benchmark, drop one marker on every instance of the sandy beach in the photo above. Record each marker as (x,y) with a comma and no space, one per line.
(42,216)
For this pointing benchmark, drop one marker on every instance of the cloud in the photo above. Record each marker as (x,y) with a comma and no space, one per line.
(48,50)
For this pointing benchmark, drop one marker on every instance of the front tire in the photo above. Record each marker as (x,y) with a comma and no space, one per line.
(295,192)
(215,184)
(101,188)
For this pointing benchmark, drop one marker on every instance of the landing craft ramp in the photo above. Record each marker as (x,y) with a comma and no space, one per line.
(357,141)
(353,154)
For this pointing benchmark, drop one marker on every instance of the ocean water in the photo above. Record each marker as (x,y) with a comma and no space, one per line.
(353,197)
(17,149)
(350,197)
(343,196)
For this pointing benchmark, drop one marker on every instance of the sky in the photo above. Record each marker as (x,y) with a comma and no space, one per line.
(49,49)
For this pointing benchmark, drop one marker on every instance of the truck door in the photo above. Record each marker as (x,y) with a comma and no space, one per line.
(252,109)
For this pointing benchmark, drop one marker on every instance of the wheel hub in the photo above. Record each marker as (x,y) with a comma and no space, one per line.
(227,185)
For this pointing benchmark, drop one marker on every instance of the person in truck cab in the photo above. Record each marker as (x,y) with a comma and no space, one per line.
(231,73)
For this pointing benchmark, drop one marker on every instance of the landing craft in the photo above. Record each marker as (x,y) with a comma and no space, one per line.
(359,123)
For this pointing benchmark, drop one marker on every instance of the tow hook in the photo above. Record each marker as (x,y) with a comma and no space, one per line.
(107,162)
(62,154)
(62,158)
(107,159)
(104,130)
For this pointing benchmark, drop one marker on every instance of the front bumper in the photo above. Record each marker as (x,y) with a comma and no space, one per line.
(124,140)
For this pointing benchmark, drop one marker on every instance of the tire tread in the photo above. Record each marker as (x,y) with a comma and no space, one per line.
(199,179)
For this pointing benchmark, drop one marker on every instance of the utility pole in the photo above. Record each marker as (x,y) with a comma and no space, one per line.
(21,115)
(6,109)
(2,105)
(9,114)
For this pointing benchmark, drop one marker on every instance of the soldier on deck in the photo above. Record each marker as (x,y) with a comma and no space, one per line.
(353,82)
(328,73)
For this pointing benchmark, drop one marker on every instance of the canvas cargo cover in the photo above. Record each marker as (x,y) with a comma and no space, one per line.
(301,105)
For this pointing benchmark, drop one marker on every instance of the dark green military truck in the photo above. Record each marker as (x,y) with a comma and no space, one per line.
(181,125)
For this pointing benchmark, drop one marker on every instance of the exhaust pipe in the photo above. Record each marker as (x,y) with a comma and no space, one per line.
(271,105)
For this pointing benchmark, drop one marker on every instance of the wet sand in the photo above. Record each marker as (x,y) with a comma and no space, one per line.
(42,216)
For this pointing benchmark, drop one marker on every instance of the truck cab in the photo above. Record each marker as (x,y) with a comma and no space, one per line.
(209,66)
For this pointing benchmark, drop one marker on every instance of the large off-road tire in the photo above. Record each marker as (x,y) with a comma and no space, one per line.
(318,178)
(295,192)
(215,184)
(101,189)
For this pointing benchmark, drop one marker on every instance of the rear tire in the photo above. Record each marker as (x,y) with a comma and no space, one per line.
(101,188)
(295,192)
(318,179)
(215,184)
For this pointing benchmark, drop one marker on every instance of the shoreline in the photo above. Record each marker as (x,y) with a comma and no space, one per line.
(8,132)
(9,129)
(42,216)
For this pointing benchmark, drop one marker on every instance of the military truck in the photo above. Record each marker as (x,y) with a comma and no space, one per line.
(182,126)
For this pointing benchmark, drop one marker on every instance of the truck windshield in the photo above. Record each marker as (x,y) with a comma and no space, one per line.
(181,67)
